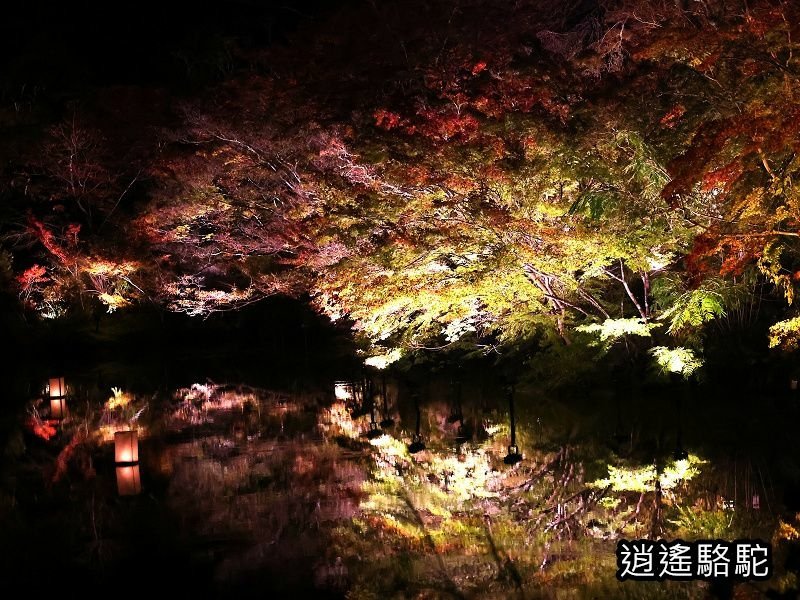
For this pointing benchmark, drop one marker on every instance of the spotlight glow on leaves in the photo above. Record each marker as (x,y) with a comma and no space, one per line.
(785,334)
(611,329)
(381,361)
(643,479)
(680,361)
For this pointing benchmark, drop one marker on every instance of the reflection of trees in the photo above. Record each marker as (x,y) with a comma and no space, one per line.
(505,565)
(449,585)
(481,543)
(236,485)
(266,504)
(245,507)
(553,486)
(544,522)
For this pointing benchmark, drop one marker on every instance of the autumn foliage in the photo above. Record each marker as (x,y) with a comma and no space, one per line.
(440,172)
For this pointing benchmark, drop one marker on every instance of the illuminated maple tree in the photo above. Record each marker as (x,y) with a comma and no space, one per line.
(485,173)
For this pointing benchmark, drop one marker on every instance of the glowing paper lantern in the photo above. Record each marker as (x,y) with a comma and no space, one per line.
(343,390)
(57,387)
(126,447)
(129,482)
(57,391)
(58,408)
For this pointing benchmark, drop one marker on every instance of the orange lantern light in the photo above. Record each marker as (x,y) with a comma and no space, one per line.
(129,482)
(58,408)
(57,387)
(57,391)
(126,447)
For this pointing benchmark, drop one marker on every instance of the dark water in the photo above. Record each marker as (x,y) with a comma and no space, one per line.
(271,486)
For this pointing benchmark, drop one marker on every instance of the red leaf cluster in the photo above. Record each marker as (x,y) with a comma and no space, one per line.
(671,119)
(67,454)
(714,252)
(31,276)
(479,67)
(39,428)
(723,177)
(48,240)
(387,119)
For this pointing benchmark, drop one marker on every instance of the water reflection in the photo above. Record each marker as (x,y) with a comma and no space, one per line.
(58,408)
(129,482)
(308,490)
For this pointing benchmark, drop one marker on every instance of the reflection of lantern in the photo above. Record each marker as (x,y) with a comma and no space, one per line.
(58,408)
(416,445)
(679,453)
(387,421)
(374,431)
(463,434)
(348,391)
(126,447)
(57,387)
(756,502)
(240,431)
(513,456)
(456,414)
(129,482)
(343,390)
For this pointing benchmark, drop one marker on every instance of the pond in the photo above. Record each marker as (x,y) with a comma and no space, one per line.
(385,486)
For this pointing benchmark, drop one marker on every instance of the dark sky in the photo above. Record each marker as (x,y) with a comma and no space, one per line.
(72,44)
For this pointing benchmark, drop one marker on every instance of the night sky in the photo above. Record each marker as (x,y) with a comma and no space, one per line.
(70,46)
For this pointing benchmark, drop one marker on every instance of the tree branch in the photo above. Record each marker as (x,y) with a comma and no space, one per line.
(625,285)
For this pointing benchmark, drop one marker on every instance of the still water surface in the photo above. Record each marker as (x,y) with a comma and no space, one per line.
(258,491)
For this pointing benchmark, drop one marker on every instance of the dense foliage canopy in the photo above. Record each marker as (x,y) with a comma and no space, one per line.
(437,172)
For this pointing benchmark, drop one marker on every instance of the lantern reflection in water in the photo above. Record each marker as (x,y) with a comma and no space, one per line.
(513,456)
(129,482)
(58,408)
(126,447)
(126,455)
(58,398)
(342,390)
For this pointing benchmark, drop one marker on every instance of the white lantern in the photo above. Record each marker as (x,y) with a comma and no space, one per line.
(126,447)
(57,387)
(129,482)
(343,390)
(793,384)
